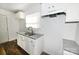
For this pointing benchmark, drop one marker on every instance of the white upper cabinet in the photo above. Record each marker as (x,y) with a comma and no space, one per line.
(51,8)
(71,10)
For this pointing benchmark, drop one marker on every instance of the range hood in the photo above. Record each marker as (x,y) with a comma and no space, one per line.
(54,13)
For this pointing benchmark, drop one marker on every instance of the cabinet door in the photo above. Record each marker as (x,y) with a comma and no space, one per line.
(72,13)
(3,29)
(51,8)
(20,41)
(26,44)
(38,46)
(31,46)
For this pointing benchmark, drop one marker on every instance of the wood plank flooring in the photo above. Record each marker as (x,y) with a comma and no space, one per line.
(11,48)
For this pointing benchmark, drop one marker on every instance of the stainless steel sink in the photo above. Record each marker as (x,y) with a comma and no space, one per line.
(29,34)
(36,36)
(33,36)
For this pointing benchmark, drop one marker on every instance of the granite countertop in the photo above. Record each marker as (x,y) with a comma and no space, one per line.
(34,36)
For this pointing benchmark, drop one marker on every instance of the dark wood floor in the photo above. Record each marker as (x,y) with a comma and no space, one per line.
(11,48)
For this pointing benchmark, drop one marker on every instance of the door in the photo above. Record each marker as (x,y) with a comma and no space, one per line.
(3,29)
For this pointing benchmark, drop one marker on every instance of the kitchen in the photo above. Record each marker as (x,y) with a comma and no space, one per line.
(39,28)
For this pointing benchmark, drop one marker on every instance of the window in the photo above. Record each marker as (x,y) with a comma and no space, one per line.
(33,20)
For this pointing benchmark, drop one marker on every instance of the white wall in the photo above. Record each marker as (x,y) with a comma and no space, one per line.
(77,34)
(22,24)
(13,24)
(70,31)
(32,8)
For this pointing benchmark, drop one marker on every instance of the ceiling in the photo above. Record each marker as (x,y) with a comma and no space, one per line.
(16,6)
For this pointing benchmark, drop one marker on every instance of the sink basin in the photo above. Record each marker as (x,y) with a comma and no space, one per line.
(35,36)
(29,34)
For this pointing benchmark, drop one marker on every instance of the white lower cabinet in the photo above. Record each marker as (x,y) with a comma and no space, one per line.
(31,46)
(20,41)
(26,44)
